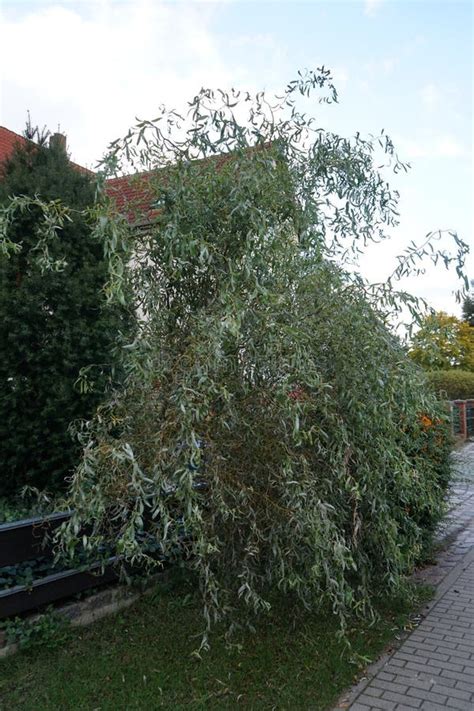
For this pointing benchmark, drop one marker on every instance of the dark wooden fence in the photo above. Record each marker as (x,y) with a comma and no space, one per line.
(24,540)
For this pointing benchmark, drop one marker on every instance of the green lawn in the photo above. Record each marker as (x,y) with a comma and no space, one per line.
(142,659)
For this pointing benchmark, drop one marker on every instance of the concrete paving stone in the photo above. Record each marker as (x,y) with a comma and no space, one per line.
(450,629)
(425,668)
(399,698)
(444,681)
(458,620)
(424,684)
(416,643)
(429,636)
(460,654)
(382,685)
(400,671)
(373,691)
(430,706)
(467,676)
(423,652)
(461,705)
(449,646)
(460,639)
(381,704)
(397,662)
(428,659)
(464,686)
(385,676)
(425,695)
(453,692)
(463,646)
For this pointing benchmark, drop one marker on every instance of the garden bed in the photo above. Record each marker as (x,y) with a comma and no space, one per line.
(32,578)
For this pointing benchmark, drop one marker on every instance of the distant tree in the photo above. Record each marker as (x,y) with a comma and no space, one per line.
(53,322)
(468,308)
(443,342)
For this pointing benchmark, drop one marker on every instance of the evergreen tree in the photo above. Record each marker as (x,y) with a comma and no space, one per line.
(52,323)
(468,308)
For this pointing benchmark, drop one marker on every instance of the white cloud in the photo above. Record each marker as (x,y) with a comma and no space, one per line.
(444,146)
(450,147)
(430,95)
(340,75)
(93,69)
(389,64)
(371,7)
(436,285)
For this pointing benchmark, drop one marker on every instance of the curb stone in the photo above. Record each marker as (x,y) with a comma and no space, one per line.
(453,533)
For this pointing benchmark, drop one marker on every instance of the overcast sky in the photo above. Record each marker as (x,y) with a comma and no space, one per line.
(90,67)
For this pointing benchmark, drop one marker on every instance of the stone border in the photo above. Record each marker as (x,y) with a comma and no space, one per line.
(94,607)
(349,697)
(452,531)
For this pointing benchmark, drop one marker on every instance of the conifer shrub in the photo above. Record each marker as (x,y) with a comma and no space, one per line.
(54,316)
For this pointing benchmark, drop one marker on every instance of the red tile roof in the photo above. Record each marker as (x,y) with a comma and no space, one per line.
(134,194)
(8,141)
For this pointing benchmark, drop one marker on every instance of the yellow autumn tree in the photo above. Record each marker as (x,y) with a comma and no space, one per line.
(444,342)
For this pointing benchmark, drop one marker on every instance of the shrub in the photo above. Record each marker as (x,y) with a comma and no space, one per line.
(452,384)
(47,630)
(31,503)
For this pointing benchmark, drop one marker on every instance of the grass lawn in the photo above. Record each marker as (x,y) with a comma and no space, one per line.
(142,659)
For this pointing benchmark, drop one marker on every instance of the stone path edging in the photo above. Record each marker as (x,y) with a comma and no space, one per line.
(433,657)
(93,607)
(351,697)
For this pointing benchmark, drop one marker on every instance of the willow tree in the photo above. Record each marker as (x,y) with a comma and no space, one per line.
(272,434)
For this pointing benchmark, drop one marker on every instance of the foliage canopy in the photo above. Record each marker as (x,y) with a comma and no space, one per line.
(444,342)
(272,434)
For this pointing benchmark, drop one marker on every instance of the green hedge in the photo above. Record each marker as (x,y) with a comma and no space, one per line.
(53,323)
(453,384)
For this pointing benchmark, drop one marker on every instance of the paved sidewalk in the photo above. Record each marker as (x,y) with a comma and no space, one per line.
(433,669)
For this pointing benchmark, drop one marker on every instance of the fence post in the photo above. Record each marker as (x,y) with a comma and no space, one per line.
(461,407)
(469,418)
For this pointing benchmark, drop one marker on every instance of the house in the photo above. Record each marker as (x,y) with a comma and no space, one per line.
(131,194)
(134,195)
